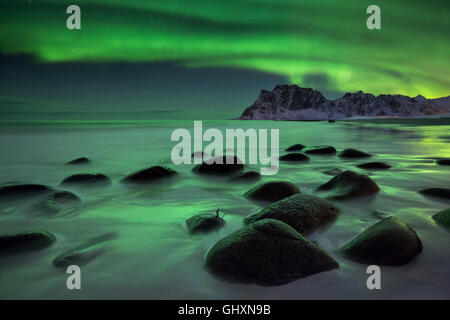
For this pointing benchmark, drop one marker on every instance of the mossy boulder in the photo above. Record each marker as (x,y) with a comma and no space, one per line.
(326,150)
(272,191)
(222,166)
(87,179)
(267,252)
(389,242)
(204,222)
(79,161)
(304,213)
(294,157)
(349,185)
(25,241)
(249,176)
(353,153)
(149,175)
(443,193)
(374,165)
(295,147)
(443,217)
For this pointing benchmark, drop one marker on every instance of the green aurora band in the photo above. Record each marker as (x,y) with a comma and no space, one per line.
(292,38)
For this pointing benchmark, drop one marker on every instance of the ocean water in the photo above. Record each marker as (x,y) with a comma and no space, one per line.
(152,256)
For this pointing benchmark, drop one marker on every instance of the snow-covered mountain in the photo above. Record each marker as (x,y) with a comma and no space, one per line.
(290,102)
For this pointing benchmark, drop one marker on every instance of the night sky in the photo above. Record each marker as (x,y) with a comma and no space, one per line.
(208,58)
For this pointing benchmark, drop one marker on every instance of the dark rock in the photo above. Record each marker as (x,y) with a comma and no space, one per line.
(23,191)
(204,222)
(249,176)
(87,179)
(304,213)
(331,120)
(443,162)
(25,241)
(268,252)
(389,242)
(79,161)
(85,252)
(321,150)
(295,147)
(227,165)
(149,175)
(64,198)
(333,172)
(443,217)
(294,157)
(353,153)
(374,165)
(348,185)
(437,192)
(272,191)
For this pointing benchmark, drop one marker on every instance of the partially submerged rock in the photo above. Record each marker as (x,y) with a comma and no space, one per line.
(222,166)
(294,157)
(25,241)
(272,191)
(443,193)
(295,147)
(78,161)
(374,165)
(321,150)
(87,179)
(149,175)
(443,217)
(353,153)
(389,242)
(249,176)
(348,185)
(204,222)
(443,162)
(54,203)
(23,191)
(267,252)
(304,213)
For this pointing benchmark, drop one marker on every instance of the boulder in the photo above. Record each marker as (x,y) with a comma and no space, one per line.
(204,222)
(249,176)
(23,191)
(79,161)
(353,153)
(87,179)
(267,252)
(443,193)
(321,150)
(443,162)
(349,185)
(25,241)
(374,165)
(222,166)
(389,242)
(295,147)
(294,157)
(272,191)
(443,217)
(304,213)
(149,175)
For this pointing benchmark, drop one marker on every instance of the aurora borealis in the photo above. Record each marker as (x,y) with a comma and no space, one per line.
(321,44)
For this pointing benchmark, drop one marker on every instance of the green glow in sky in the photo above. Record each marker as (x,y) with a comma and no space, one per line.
(292,38)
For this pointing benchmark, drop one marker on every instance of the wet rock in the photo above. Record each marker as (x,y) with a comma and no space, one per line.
(55,203)
(443,217)
(443,162)
(374,165)
(321,150)
(87,179)
(294,157)
(249,176)
(272,191)
(204,222)
(348,185)
(23,191)
(295,147)
(85,252)
(25,241)
(331,120)
(353,153)
(304,213)
(226,165)
(333,172)
(149,175)
(443,193)
(389,242)
(79,161)
(267,252)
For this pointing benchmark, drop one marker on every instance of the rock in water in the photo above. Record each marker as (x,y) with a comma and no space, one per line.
(294,157)
(443,162)
(249,176)
(25,241)
(272,191)
(226,165)
(374,165)
(149,175)
(302,212)
(204,222)
(321,150)
(267,252)
(79,161)
(23,191)
(295,147)
(87,179)
(389,242)
(443,193)
(353,153)
(54,203)
(348,185)
(443,217)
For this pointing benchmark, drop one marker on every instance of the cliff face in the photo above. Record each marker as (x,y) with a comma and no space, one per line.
(290,102)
